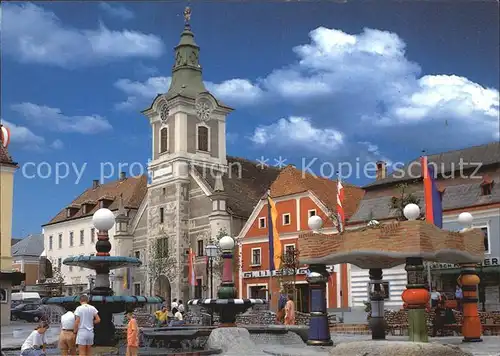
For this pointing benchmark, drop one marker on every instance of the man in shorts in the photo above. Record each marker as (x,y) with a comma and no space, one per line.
(86,317)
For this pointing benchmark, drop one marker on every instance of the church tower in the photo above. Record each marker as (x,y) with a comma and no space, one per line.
(189,131)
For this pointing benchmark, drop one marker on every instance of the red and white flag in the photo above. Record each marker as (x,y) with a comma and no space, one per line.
(340,201)
(191,277)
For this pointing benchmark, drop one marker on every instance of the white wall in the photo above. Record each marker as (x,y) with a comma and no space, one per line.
(76,275)
(359,286)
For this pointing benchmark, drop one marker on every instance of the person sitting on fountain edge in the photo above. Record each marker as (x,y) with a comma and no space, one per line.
(162,316)
(67,342)
(34,345)
(178,318)
(132,335)
(180,307)
(86,317)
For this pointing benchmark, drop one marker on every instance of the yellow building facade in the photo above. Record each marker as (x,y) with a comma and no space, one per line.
(8,277)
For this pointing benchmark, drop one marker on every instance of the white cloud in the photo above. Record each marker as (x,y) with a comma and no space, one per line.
(117,11)
(57,145)
(31,34)
(24,138)
(374,153)
(298,131)
(53,119)
(141,94)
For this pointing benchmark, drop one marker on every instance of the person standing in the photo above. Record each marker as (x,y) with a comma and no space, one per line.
(132,335)
(435,298)
(459,295)
(280,315)
(290,311)
(86,317)
(35,343)
(180,307)
(67,342)
(174,304)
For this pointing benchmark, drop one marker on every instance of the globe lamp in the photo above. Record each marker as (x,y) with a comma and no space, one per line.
(103,219)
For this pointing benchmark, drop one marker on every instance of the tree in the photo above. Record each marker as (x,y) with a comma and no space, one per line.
(289,266)
(218,262)
(159,262)
(53,276)
(404,198)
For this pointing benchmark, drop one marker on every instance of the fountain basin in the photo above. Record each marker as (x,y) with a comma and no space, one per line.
(112,303)
(227,308)
(102,262)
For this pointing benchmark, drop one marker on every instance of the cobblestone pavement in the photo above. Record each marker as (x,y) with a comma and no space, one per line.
(489,347)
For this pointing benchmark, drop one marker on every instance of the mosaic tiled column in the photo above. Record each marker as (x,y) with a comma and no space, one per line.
(227,315)
(471,323)
(319,330)
(377,293)
(416,297)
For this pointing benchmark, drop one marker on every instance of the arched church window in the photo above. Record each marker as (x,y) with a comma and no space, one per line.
(164,140)
(203,138)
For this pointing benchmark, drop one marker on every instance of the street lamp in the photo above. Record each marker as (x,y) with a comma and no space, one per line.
(211,251)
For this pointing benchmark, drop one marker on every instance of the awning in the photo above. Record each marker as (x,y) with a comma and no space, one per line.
(14,277)
(456,271)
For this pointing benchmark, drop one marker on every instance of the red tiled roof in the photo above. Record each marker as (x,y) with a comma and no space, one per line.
(132,189)
(293,181)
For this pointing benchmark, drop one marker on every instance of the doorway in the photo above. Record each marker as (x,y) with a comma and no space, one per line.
(302,297)
(257,292)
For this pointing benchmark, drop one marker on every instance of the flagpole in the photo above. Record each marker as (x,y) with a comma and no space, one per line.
(269,249)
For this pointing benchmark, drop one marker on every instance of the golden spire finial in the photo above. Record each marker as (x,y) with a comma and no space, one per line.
(187,15)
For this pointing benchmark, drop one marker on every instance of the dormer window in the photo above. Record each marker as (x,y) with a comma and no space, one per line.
(105,201)
(203,138)
(71,211)
(487,186)
(87,207)
(164,140)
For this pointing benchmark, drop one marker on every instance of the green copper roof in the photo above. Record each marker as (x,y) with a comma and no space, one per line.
(186,73)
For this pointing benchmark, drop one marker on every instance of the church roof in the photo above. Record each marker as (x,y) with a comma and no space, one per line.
(132,189)
(31,245)
(244,185)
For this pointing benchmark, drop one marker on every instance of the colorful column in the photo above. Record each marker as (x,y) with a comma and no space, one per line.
(377,294)
(471,323)
(416,297)
(227,314)
(319,330)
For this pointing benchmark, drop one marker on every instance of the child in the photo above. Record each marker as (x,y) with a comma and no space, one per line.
(132,335)
(34,345)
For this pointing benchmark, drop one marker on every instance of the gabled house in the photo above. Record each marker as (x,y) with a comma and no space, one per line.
(298,195)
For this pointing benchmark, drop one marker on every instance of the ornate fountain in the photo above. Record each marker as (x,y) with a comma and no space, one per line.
(102,295)
(227,304)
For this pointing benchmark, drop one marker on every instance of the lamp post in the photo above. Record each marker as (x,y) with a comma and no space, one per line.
(211,251)
(469,281)
(317,277)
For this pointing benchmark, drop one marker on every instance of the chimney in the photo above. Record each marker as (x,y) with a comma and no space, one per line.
(123,175)
(381,170)
(95,183)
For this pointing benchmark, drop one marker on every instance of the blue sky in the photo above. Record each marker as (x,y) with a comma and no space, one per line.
(338,82)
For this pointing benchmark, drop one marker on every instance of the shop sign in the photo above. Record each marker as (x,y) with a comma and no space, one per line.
(267,273)
(491,261)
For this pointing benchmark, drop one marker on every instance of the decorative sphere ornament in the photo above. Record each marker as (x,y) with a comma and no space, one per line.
(103,219)
(465,219)
(411,211)
(315,223)
(226,243)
